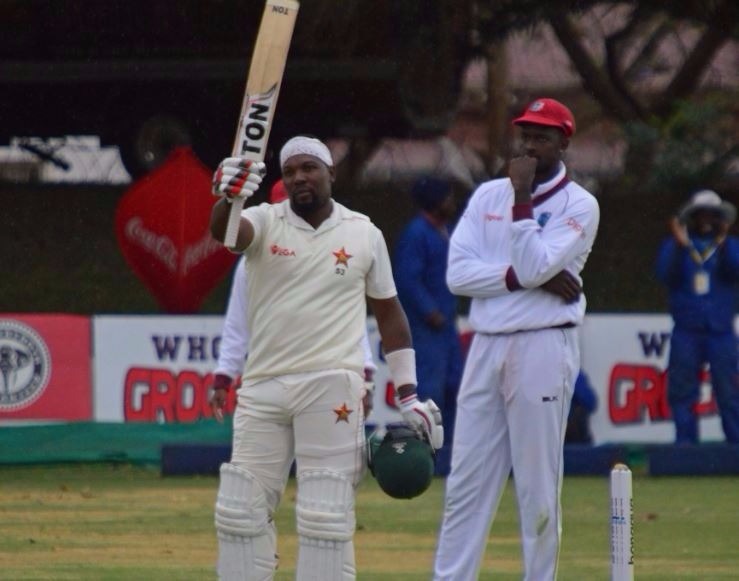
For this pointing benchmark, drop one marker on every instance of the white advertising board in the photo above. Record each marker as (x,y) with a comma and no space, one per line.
(159,368)
(153,368)
(625,358)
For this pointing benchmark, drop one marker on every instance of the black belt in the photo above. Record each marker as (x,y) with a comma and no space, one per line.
(562,326)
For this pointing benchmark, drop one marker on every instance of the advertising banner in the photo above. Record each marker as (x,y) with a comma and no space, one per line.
(155,368)
(625,358)
(45,367)
(159,368)
(162,227)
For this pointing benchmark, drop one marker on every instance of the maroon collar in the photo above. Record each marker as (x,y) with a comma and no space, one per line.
(541,198)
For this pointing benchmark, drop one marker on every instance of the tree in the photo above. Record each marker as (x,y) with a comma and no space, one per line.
(634,38)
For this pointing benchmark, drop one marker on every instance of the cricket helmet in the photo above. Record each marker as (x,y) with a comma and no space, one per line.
(402,461)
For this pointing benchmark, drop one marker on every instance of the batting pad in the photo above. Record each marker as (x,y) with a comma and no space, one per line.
(325,515)
(246,534)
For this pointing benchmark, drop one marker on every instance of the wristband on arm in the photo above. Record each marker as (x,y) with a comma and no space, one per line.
(402,365)
(222,381)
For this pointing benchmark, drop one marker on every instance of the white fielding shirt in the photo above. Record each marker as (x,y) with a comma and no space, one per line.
(234,344)
(487,242)
(307,289)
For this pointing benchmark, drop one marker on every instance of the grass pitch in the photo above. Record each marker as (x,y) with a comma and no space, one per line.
(120,522)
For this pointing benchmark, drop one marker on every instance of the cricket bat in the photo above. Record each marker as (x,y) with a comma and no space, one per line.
(262,89)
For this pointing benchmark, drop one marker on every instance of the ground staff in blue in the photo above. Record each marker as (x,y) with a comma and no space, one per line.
(420,276)
(699,264)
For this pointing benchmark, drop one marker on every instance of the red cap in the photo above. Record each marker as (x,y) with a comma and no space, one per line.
(550,113)
(277,193)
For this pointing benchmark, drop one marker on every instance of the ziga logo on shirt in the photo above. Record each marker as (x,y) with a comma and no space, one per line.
(342,261)
(25,365)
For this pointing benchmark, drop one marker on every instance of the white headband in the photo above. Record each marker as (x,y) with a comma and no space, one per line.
(308,146)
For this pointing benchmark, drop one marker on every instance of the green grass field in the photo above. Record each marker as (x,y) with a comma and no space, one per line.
(115,522)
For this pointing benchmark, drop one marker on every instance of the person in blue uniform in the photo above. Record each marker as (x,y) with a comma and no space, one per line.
(699,264)
(583,405)
(420,261)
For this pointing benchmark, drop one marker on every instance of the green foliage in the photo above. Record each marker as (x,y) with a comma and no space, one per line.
(690,149)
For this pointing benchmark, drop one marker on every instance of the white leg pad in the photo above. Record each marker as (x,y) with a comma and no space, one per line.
(325,515)
(246,533)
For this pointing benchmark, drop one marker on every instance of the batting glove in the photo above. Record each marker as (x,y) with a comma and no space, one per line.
(237,177)
(425,416)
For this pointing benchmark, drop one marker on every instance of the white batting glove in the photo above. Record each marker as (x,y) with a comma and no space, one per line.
(425,416)
(237,177)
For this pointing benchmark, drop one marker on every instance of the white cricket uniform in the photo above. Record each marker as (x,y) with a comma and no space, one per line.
(303,380)
(235,336)
(234,344)
(520,371)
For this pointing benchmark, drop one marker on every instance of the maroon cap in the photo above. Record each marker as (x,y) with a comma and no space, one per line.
(550,113)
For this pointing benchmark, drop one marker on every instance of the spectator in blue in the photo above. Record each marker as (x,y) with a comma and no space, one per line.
(699,264)
(584,403)
(420,276)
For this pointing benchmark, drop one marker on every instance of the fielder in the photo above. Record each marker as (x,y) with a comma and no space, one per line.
(312,265)
(517,251)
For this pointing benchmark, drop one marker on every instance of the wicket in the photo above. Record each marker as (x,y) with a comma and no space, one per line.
(622,526)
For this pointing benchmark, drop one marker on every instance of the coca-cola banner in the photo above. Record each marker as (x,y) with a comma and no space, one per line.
(155,369)
(45,367)
(162,227)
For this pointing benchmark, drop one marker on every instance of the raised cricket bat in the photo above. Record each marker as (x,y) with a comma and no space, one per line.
(262,89)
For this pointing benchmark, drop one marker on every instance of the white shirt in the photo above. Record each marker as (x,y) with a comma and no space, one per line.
(235,336)
(487,242)
(307,289)
(234,344)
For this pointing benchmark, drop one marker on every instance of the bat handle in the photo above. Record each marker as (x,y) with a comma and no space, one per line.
(234,220)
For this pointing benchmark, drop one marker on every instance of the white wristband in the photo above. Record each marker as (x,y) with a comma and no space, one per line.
(402,365)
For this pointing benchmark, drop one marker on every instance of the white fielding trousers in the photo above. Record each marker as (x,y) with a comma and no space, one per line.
(511,414)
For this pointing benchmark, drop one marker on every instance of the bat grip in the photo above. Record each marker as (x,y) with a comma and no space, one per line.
(234,220)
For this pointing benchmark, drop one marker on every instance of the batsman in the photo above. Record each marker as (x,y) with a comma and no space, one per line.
(312,267)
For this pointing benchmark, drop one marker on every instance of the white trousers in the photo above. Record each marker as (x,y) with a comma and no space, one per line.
(511,414)
(313,418)
(295,417)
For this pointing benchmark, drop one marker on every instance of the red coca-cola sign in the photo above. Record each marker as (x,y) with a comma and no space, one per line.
(162,227)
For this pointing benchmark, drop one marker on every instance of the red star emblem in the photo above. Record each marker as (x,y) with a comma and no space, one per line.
(342,413)
(342,257)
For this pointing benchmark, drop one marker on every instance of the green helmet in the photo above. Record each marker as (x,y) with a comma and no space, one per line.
(402,462)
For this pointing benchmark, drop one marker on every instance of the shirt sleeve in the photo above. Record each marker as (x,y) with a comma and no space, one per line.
(257,216)
(728,260)
(537,255)
(235,337)
(468,272)
(668,263)
(380,283)
(410,266)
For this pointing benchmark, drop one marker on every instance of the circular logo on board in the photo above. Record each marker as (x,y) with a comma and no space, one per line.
(25,365)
